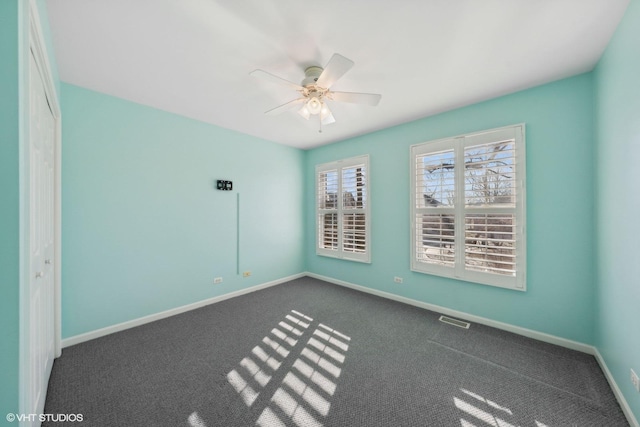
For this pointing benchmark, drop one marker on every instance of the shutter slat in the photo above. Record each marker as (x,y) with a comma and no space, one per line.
(435,179)
(328,231)
(435,242)
(328,189)
(354,201)
(490,243)
(354,191)
(490,173)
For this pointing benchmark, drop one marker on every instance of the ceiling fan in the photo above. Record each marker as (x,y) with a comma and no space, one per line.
(315,90)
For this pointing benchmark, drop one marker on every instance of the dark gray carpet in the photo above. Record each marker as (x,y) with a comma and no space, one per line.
(309,353)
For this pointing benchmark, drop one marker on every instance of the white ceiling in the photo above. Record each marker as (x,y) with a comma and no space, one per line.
(193,57)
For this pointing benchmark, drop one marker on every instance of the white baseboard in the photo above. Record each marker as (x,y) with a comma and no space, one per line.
(540,336)
(77,339)
(616,390)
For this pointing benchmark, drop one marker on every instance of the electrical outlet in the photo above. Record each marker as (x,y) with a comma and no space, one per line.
(246,274)
(397,279)
(635,380)
(217,280)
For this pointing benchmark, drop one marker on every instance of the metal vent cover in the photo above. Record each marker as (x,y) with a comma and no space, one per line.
(455,322)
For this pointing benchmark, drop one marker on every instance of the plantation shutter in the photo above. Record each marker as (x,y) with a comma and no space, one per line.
(328,210)
(354,201)
(434,201)
(343,209)
(468,207)
(490,211)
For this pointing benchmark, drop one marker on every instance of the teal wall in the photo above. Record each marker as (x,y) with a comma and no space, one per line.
(617,82)
(145,230)
(560,223)
(10,206)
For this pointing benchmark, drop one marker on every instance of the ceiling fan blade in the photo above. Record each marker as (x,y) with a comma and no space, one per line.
(356,98)
(337,66)
(284,107)
(274,79)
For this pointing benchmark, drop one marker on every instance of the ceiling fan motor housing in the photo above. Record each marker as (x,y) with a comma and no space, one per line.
(311,76)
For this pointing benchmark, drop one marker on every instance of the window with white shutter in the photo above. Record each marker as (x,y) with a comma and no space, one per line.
(468,207)
(342,207)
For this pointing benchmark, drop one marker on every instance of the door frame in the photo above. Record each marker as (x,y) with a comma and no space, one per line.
(33,43)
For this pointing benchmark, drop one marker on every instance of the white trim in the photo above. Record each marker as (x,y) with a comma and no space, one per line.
(530,333)
(31,43)
(626,409)
(57,257)
(77,339)
(457,146)
(540,336)
(339,252)
(39,49)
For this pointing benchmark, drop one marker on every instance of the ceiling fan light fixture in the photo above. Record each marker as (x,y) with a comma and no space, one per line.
(314,105)
(329,119)
(324,111)
(304,112)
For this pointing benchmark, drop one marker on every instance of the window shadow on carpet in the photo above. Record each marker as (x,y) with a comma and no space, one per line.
(297,367)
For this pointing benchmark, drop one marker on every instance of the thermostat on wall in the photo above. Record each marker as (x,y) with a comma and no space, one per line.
(225,185)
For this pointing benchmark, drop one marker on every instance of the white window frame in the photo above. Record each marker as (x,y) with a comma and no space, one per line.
(340,210)
(459,209)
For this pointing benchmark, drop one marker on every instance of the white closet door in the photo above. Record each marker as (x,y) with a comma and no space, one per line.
(41,294)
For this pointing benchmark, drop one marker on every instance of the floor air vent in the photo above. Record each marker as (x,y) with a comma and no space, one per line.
(455,322)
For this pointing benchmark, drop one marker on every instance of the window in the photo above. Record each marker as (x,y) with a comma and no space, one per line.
(342,208)
(468,207)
